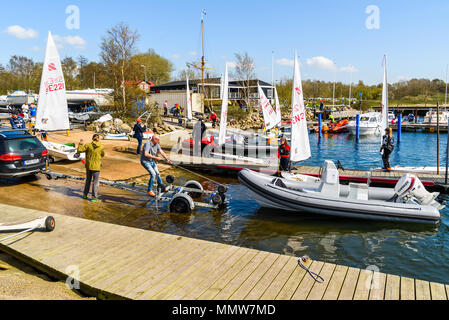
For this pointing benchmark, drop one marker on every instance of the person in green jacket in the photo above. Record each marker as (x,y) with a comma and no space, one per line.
(94,153)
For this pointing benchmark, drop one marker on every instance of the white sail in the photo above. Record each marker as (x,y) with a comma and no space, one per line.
(300,146)
(189,102)
(224,109)
(52,110)
(278,107)
(384,123)
(269,115)
(221,86)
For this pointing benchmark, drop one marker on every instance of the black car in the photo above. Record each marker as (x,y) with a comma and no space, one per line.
(21,154)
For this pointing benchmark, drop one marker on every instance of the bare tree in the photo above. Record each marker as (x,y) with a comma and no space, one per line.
(244,72)
(117,47)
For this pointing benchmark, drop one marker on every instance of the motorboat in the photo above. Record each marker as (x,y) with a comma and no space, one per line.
(101,97)
(370,124)
(432,117)
(60,152)
(409,201)
(19,98)
(3,101)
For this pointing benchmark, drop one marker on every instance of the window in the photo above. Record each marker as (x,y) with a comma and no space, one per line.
(24,144)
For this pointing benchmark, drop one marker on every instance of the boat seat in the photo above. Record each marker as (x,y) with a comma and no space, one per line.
(358,191)
(330,181)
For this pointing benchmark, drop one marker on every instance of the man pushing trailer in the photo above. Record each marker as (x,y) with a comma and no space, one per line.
(148,160)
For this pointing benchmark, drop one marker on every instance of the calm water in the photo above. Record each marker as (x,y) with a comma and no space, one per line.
(419,251)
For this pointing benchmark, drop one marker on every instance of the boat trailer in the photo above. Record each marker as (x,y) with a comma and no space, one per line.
(180,199)
(47,223)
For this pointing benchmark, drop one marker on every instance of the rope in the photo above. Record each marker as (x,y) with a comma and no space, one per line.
(314,275)
(197,174)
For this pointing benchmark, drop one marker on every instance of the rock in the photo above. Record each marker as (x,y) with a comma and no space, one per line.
(118,122)
(106,124)
(125,128)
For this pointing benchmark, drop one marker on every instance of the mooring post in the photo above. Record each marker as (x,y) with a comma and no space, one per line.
(447,155)
(399,127)
(319,124)
(357,125)
(438,138)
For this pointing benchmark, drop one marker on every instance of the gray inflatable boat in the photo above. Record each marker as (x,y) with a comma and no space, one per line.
(408,201)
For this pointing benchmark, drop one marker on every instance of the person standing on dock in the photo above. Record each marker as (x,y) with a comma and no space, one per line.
(148,159)
(213,118)
(94,153)
(387,148)
(198,133)
(284,155)
(138,134)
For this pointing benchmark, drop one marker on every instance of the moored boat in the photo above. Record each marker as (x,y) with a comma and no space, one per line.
(408,201)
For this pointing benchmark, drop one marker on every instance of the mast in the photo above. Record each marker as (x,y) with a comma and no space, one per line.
(203,60)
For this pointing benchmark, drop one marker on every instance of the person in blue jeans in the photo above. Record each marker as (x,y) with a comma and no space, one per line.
(138,134)
(149,159)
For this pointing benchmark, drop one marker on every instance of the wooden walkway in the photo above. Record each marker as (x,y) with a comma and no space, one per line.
(120,262)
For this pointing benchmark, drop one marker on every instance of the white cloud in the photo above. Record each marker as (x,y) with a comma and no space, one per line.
(322,63)
(75,41)
(231,64)
(349,68)
(176,56)
(285,62)
(21,33)
(192,53)
(35,48)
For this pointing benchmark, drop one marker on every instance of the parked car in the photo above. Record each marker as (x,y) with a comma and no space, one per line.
(21,154)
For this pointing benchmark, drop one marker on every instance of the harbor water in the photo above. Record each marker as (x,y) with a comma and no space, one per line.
(405,249)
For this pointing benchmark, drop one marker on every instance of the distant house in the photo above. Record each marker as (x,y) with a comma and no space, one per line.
(143,85)
(212,88)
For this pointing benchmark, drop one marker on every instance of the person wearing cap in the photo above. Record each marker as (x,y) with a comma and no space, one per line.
(138,134)
(94,153)
(213,118)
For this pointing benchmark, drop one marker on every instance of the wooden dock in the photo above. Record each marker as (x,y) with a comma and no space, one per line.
(117,262)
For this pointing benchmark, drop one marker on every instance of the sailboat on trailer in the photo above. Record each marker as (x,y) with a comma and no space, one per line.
(52,109)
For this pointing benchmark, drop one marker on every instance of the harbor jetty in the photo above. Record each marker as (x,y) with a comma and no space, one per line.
(117,262)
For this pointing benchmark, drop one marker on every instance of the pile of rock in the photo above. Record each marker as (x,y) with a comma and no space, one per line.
(162,128)
(115,126)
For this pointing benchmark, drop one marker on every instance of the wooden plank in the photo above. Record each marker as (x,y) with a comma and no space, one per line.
(437,291)
(422,290)
(236,282)
(257,292)
(318,288)
(407,288)
(198,284)
(349,284)
(250,283)
(222,281)
(307,282)
(278,283)
(293,282)
(392,287)
(378,284)
(335,283)
(363,285)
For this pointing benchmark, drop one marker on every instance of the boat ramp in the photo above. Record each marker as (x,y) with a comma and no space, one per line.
(117,262)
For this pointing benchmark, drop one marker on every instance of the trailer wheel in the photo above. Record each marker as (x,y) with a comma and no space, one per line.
(180,205)
(194,185)
(222,189)
(217,199)
(51,159)
(48,176)
(170,179)
(50,224)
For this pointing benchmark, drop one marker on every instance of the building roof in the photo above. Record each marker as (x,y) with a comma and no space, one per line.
(193,82)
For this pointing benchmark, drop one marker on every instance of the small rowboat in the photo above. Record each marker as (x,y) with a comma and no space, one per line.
(60,152)
(117,136)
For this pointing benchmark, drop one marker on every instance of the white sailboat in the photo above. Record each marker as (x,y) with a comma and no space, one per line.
(300,145)
(269,115)
(52,110)
(384,123)
(278,108)
(224,108)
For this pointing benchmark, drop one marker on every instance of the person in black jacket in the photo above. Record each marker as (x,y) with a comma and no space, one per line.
(138,134)
(387,148)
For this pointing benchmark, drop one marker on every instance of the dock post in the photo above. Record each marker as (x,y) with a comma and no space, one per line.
(319,124)
(399,127)
(447,156)
(357,125)
(438,138)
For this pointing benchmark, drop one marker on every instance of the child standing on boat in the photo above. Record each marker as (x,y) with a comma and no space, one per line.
(387,148)
(284,155)
(94,153)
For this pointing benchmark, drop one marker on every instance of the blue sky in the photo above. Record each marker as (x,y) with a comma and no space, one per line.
(331,36)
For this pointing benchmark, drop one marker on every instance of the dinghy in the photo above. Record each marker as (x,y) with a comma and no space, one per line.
(61,152)
(52,110)
(117,136)
(408,201)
